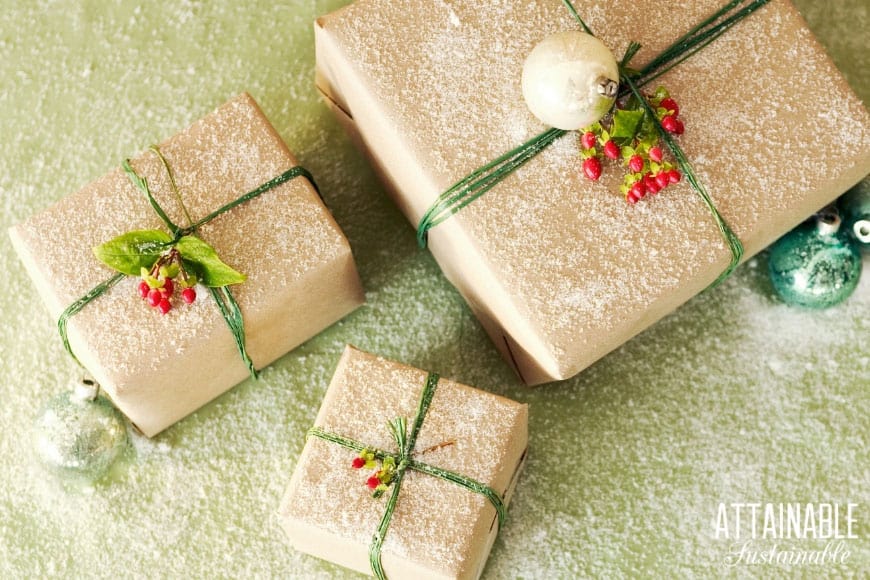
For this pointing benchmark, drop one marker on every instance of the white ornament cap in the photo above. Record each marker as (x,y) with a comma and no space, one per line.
(570,80)
(828,221)
(862,231)
(86,390)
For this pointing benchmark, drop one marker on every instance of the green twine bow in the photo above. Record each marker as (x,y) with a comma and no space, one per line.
(405,442)
(488,176)
(223,297)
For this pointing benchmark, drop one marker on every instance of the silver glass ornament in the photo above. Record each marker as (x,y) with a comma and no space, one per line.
(80,433)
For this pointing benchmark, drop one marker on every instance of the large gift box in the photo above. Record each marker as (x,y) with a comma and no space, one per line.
(300,272)
(561,270)
(438,528)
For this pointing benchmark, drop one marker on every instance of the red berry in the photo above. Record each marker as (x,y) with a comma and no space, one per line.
(638,190)
(144,289)
(680,128)
(588,140)
(632,198)
(635,164)
(592,168)
(655,153)
(188,295)
(674,176)
(154,297)
(373,482)
(670,124)
(651,185)
(164,306)
(662,180)
(359,463)
(611,149)
(168,286)
(670,105)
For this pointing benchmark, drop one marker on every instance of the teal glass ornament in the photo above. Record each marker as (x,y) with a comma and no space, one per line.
(80,434)
(816,265)
(855,207)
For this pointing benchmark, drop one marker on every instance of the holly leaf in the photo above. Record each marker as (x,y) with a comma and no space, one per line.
(626,123)
(130,252)
(203,260)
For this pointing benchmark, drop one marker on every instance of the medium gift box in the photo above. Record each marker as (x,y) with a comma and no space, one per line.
(463,450)
(298,271)
(560,270)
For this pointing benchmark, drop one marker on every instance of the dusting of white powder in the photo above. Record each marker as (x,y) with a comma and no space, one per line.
(576,261)
(735,397)
(467,431)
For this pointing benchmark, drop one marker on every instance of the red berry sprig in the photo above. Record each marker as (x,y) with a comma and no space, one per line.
(381,480)
(158,283)
(629,134)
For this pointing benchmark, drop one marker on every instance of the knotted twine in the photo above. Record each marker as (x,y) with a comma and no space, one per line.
(222,296)
(480,181)
(405,443)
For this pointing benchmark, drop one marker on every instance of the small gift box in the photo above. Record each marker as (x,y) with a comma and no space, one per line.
(459,451)
(560,269)
(290,269)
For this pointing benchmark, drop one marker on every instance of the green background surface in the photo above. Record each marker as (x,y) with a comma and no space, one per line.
(734,398)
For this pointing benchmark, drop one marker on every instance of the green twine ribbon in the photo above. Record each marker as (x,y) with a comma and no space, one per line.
(405,443)
(488,176)
(223,297)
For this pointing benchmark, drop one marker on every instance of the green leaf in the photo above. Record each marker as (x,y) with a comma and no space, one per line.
(205,263)
(649,133)
(172,270)
(593,128)
(626,123)
(131,252)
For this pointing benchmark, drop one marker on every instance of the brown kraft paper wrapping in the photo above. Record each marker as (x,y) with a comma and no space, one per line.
(439,529)
(301,275)
(561,270)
